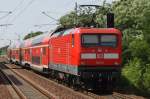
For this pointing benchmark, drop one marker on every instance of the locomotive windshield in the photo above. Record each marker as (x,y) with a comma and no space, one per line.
(99,40)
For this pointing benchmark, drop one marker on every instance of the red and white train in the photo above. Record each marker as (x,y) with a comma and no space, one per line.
(89,57)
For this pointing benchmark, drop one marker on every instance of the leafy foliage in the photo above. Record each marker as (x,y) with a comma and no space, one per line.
(32,34)
(71,20)
(68,20)
(133,67)
(140,49)
(132,17)
(87,16)
(146,78)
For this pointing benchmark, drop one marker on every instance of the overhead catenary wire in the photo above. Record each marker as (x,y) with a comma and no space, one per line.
(46,13)
(4,11)
(23,10)
(8,13)
(15,9)
(50,16)
(18,5)
(44,25)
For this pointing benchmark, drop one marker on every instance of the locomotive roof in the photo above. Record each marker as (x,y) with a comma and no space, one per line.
(44,38)
(63,32)
(40,39)
(97,30)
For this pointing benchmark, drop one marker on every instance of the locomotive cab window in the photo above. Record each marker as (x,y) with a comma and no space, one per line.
(90,40)
(99,40)
(108,40)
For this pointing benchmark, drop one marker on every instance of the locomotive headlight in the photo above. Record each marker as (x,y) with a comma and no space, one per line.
(116,63)
(82,63)
(111,55)
(88,55)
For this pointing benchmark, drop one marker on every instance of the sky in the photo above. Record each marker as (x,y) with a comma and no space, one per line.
(24,16)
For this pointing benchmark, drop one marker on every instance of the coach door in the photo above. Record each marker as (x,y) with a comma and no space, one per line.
(36,56)
(44,56)
(20,55)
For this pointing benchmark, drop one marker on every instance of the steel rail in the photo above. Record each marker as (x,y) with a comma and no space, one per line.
(121,96)
(40,89)
(17,90)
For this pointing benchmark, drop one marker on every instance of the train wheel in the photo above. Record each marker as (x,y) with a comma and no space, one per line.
(10,61)
(27,66)
(16,63)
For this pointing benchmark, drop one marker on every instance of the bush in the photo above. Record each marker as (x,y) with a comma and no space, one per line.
(140,48)
(132,72)
(146,78)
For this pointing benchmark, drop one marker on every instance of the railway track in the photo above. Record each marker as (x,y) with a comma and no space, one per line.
(6,78)
(100,96)
(23,87)
(117,95)
(114,95)
(56,89)
(59,89)
(7,86)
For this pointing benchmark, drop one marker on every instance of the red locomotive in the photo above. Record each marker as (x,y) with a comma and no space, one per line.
(89,57)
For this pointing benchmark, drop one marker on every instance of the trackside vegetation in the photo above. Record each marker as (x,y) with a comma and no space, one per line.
(32,34)
(132,18)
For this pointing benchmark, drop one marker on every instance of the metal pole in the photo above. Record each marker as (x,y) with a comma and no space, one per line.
(9,42)
(76,14)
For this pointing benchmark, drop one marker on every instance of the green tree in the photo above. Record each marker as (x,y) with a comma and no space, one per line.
(32,34)
(146,79)
(140,49)
(68,20)
(132,72)
(87,16)
(101,14)
(72,19)
(132,18)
